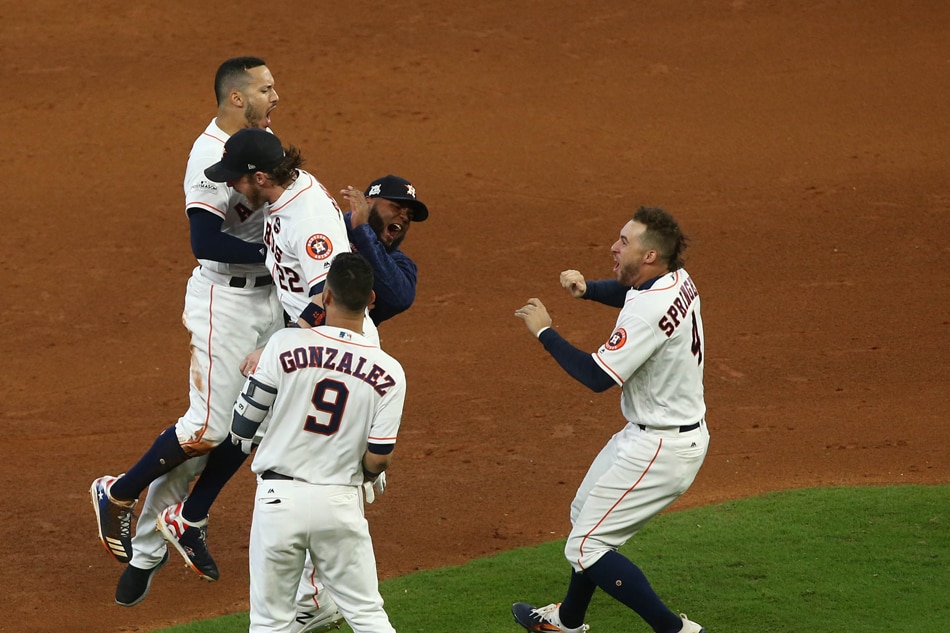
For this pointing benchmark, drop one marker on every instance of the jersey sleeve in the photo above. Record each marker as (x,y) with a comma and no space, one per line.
(268,369)
(388,416)
(630,345)
(319,238)
(201,193)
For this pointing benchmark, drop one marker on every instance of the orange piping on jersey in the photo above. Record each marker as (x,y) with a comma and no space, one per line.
(676,278)
(310,282)
(629,490)
(220,140)
(617,377)
(294,197)
(192,205)
(381,440)
(603,364)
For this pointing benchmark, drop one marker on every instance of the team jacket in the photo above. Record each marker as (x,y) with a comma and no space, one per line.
(395,274)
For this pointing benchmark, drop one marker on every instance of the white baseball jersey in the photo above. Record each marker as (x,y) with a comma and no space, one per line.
(225,324)
(239,219)
(655,354)
(336,392)
(304,231)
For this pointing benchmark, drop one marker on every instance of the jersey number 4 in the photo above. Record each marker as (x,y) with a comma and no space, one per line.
(697,346)
(329,396)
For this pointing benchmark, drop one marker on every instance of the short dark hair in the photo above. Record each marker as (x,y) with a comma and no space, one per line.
(350,280)
(232,73)
(663,234)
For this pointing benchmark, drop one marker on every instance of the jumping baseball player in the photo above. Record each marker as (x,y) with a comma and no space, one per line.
(337,402)
(231,308)
(655,354)
(304,232)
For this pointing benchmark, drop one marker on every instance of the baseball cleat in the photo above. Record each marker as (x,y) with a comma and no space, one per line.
(689,626)
(189,540)
(542,619)
(321,621)
(134,583)
(114,519)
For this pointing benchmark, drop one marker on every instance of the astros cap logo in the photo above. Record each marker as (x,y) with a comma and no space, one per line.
(319,246)
(616,340)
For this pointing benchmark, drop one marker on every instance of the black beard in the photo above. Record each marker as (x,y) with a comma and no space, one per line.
(376,223)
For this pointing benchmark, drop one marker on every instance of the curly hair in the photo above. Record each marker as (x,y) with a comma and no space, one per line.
(286,172)
(662,234)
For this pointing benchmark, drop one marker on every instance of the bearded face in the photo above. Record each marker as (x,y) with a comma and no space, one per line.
(389,221)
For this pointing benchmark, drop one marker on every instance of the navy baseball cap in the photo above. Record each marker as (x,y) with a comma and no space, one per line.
(248,150)
(395,188)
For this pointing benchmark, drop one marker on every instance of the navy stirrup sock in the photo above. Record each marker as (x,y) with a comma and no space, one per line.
(624,582)
(574,607)
(164,455)
(223,462)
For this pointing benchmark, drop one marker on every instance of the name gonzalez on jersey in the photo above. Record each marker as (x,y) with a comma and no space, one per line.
(325,357)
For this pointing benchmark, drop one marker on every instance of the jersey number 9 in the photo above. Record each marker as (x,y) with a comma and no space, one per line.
(329,396)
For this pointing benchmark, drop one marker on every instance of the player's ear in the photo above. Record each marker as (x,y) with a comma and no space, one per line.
(650,257)
(372,299)
(236,98)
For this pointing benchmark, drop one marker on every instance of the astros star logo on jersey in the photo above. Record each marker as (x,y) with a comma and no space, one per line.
(616,340)
(319,246)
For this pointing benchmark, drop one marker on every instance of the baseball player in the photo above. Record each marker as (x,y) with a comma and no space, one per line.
(337,402)
(304,232)
(655,354)
(304,228)
(230,309)
(377,224)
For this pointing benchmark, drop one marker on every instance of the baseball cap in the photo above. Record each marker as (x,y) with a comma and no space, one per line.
(247,151)
(395,188)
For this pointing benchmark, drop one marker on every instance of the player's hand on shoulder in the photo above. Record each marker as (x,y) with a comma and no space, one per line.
(573,281)
(359,205)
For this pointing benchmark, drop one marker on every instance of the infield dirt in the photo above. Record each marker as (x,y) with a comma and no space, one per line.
(802,145)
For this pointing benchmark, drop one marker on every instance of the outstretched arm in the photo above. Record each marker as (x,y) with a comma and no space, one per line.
(580,365)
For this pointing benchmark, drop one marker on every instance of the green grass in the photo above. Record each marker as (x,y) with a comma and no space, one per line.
(829,559)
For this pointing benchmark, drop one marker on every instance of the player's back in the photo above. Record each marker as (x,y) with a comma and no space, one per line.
(336,392)
(304,232)
(657,350)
